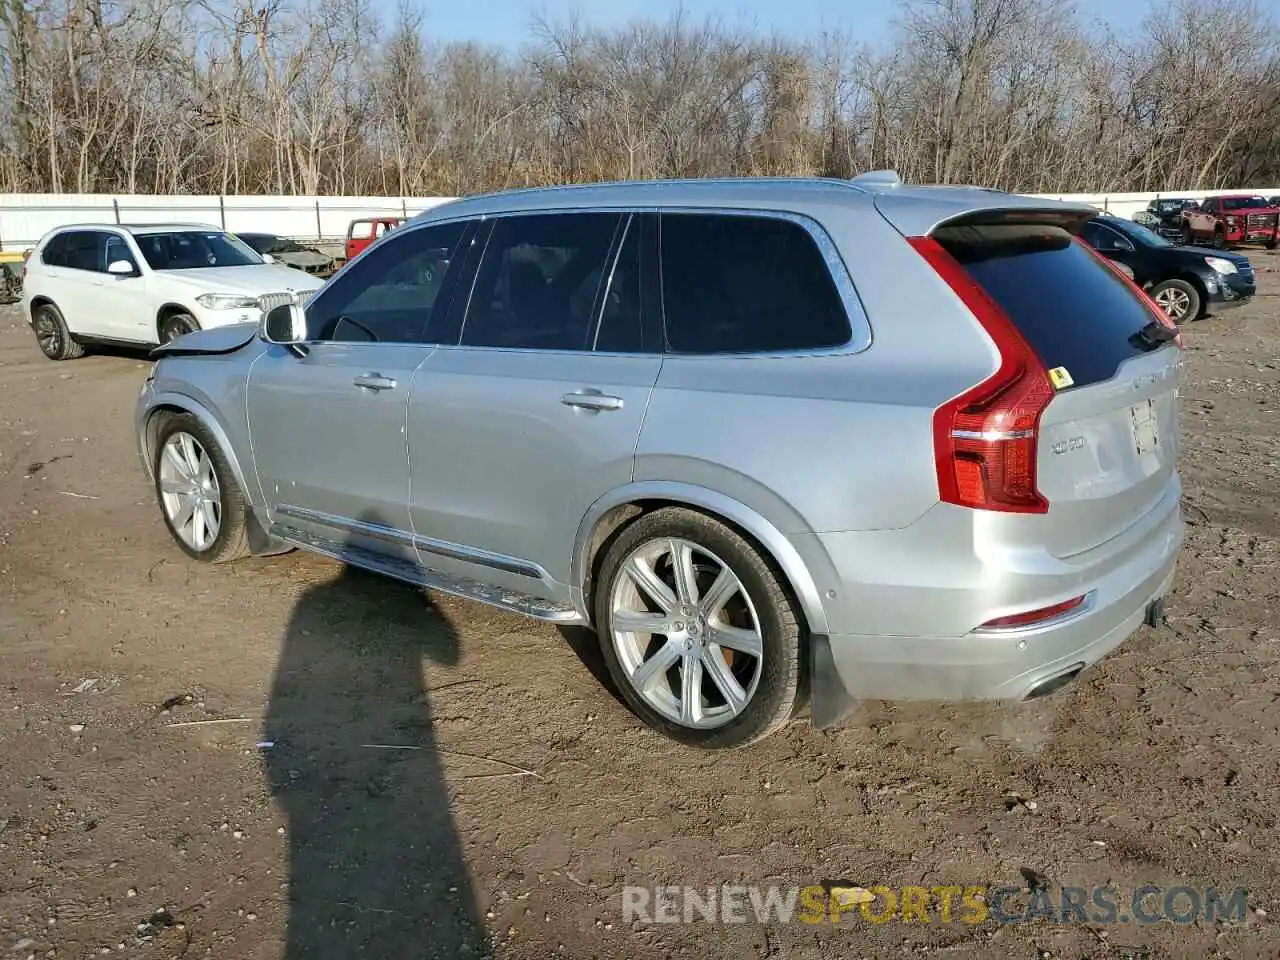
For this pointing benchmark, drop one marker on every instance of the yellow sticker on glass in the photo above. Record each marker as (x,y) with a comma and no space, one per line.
(1060,377)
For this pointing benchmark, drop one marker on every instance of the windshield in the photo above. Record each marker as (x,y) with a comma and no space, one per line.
(1243,203)
(1138,233)
(190,250)
(1170,206)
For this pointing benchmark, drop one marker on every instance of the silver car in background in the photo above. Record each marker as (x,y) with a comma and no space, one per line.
(776,441)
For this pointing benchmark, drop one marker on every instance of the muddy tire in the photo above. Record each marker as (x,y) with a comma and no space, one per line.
(52,335)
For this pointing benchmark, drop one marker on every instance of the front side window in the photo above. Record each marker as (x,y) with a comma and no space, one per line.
(539,280)
(195,249)
(117,250)
(390,294)
(746,284)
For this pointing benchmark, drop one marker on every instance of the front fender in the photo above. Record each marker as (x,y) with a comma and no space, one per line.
(778,545)
(152,402)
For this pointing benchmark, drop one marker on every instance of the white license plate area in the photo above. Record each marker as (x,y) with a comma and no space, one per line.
(1146,427)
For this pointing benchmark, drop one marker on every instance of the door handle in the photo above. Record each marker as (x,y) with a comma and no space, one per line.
(374,381)
(592,400)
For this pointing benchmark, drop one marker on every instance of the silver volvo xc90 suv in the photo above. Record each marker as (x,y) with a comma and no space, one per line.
(776,441)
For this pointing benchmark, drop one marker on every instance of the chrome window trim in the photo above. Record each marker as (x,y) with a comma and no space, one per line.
(859,324)
(598,320)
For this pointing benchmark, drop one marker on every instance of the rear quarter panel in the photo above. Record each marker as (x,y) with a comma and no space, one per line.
(828,441)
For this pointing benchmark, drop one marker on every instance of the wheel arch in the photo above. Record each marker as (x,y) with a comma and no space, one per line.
(167,404)
(38,301)
(167,310)
(615,511)
(1197,281)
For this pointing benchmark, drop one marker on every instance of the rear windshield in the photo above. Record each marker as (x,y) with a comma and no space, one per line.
(1075,312)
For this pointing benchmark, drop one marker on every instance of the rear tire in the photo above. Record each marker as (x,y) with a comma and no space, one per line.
(175,325)
(1220,239)
(723,663)
(52,334)
(1180,300)
(199,499)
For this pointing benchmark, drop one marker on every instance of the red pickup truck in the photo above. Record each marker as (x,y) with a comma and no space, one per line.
(362,232)
(1232,218)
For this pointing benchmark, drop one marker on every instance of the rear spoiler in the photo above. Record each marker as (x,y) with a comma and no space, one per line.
(919,211)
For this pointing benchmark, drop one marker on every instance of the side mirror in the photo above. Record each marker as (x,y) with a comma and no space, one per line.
(286,325)
(268,258)
(121,268)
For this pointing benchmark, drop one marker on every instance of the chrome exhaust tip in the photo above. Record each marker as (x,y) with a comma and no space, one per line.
(1054,683)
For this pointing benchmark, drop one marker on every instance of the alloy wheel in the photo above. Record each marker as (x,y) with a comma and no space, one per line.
(1174,302)
(686,633)
(189,492)
(48,335)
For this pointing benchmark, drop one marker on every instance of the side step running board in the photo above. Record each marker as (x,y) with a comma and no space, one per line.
(409,572)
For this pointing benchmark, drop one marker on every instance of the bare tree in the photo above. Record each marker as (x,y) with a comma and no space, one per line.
(323,97)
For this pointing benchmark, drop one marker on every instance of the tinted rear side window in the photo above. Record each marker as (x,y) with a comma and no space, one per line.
(739,284)
(86,251)
(1073,311)
(55,251)
(538,282)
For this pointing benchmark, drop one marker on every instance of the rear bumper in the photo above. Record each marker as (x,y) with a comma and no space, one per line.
(1122,584)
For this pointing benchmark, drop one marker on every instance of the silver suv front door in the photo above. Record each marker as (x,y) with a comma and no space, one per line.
(328,428)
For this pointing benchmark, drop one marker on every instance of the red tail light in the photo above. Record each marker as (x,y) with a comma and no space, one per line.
(1141,294)
(984,440)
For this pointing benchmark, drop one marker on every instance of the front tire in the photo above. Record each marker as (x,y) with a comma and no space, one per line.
(175,325)
(52,335)
(698,632)
(1179,300)
(199,499)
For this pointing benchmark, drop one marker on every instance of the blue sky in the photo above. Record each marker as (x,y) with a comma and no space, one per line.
(508,23)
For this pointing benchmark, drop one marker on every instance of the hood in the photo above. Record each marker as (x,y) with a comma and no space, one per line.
(1237,258)
(214,340)
(303,258)
(252,280)
(1250,211)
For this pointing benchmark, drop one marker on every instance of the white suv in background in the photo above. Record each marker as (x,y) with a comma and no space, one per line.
(112,284)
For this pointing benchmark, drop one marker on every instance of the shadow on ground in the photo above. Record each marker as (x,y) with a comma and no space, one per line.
(375,863)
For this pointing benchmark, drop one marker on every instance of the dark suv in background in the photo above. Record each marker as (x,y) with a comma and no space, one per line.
(1187,282)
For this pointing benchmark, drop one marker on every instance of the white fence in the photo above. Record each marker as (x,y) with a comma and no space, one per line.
(25,217)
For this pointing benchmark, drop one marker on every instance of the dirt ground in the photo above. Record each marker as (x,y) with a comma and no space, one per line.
(523,796)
